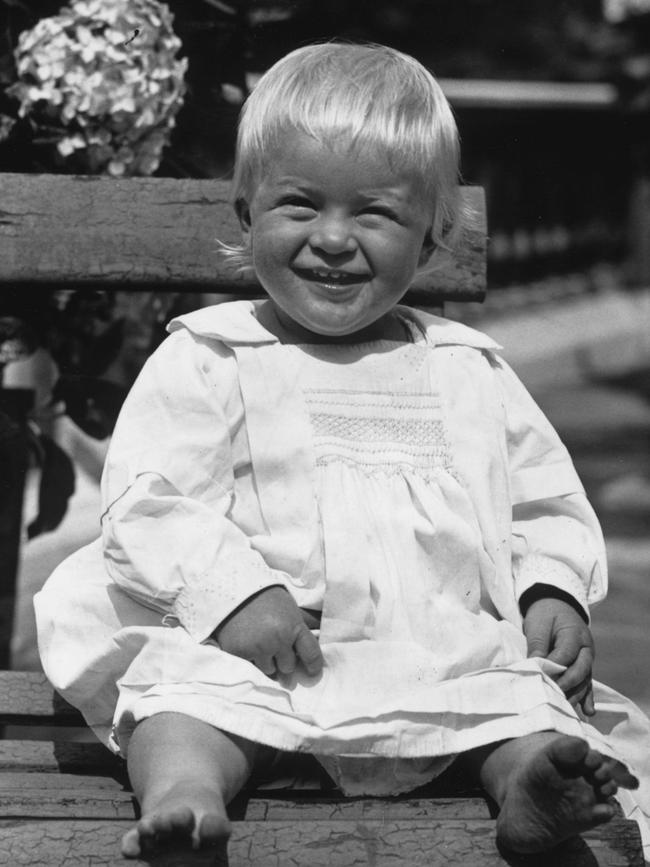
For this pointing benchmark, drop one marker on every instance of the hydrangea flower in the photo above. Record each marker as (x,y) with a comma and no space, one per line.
(102,80)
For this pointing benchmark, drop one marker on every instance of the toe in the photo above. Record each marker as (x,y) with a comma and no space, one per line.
(179,821)
(607,790)
(213,829)
(612,769)
(154,829)
(131,844)
(603,813)
(605,771)
(594,761)
(623,777)
(147,828)
(569,751)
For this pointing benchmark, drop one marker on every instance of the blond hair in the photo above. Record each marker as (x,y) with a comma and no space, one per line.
(372,95)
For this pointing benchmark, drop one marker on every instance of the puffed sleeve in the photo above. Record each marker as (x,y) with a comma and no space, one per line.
(167,489)
(556,537)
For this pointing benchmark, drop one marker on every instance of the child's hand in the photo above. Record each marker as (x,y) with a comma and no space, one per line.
(269,631)
(554,630)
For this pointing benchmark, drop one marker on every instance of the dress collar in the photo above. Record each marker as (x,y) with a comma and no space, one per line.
(235,323)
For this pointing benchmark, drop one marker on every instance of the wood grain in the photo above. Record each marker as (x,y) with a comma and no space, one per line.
(71,796)
(56,757)
(337,843)
(66,231)
(79,843)
(26,697)
(384,809)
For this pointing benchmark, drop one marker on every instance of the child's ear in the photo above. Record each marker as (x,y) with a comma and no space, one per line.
(243,212)
(428,246)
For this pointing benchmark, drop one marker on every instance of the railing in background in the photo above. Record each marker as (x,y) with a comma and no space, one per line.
(560,163)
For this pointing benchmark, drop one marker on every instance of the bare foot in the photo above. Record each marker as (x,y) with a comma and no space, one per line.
(564,789)
(192,817)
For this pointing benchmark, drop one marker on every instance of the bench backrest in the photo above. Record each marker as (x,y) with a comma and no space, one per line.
(140,233)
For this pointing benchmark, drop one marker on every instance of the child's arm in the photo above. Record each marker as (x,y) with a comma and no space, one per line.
(558,566)
(555,630)
(168,484)
(558,553)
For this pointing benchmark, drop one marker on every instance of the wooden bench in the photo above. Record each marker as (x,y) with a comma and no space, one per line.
(65,803)
(65,800)
(66,232)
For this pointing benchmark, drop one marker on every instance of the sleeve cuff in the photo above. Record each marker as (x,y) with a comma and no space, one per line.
(200,610)
(536,569)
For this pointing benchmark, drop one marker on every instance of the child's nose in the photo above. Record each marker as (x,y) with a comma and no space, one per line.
(333,234)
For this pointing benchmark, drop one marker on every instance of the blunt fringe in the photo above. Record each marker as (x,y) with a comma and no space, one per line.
(373,96)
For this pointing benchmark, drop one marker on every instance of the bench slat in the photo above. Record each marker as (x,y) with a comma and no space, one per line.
(412,843)
(337,843)
(29,796)
(56,757)
(56,809)
(90,843)
(283,810)
(48,795)
(26,698)
(158,232)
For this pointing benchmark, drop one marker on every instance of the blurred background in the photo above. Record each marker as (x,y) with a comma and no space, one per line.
(552,99)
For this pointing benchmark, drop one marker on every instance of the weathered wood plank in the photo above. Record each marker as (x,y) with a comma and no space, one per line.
(286,810)
(27,698)
(68,804)
(375,843)
(89,843)
(470,843)
(58,757)
(84,796)
(144,232)
(52,796)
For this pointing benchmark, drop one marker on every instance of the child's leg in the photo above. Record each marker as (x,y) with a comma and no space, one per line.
(183,772)
(548,787)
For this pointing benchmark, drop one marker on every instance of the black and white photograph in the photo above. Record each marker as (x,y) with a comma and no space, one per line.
(325,433)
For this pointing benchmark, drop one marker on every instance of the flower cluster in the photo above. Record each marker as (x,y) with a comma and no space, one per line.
(101,80)
(618,10)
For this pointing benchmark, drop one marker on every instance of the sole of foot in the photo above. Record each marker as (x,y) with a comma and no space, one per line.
(564,789)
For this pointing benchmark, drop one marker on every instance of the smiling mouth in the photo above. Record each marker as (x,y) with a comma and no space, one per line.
(331,276)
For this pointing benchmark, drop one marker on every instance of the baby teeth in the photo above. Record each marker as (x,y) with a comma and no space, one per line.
(333,275)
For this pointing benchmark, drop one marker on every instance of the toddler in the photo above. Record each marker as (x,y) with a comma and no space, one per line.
(337,525)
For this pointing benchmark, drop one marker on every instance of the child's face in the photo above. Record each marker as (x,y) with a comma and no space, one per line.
(336,236)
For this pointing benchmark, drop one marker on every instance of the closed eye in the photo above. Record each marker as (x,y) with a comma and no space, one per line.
(380,211)
(297,202)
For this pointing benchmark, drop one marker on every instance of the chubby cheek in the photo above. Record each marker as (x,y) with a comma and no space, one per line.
(272,252)
(399,269)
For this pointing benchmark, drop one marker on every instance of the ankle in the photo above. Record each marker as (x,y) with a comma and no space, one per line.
(187,790)
(491,773)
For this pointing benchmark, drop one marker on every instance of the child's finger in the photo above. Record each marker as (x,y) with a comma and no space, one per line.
(538,640)
(265,664)
(577,695)
(286,661)
(578,672)
(582,701)
(588,706)
(567,647)
(308,650)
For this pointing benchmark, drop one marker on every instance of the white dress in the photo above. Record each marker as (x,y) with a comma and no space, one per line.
(411,491)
